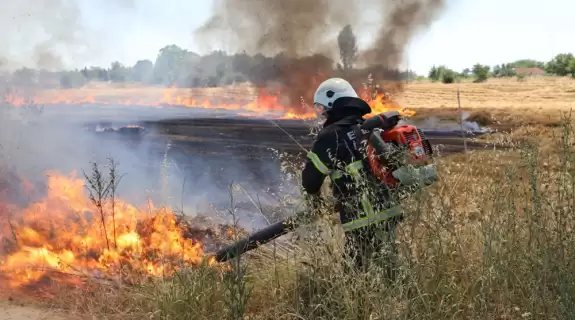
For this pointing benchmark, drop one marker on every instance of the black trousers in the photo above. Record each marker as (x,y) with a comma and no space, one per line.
(373,244)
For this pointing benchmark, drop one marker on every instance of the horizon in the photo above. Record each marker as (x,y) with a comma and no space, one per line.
(485,32)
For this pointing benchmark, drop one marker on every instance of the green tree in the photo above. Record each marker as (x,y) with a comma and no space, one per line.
(347,47)
(561,65)
(24,77)
(95,73)
(118,72)
(504,70)
(436,73)
(103,74)
(448,76)
(72,79)
(481,72)
(528,63)
(143,71)
(572,67)
(466,73)
(169,64)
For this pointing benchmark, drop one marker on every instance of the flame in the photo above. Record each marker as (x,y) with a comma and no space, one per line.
(381,103)
(64,234)
(260,105)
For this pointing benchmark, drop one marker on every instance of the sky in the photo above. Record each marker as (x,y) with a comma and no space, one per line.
(466,32)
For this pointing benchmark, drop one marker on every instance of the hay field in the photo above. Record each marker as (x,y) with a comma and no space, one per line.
(535,94)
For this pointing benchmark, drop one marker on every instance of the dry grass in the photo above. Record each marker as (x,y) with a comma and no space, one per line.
(538,94)
(492,240)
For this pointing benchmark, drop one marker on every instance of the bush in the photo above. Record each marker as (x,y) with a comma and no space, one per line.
(436,73)
(562,65)
(449,76)
(481,72)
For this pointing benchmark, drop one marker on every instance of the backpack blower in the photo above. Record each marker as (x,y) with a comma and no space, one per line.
(395,155)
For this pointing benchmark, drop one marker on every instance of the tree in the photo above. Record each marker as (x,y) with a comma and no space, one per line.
(466,73)
(528,63)
(118,72)
(143,71)
(72,79)
(347,47)
(572,67)
(481,72)
(169,64)
(561,65)
(24,77)
(436,73)
(103,74)
(504,70)
(448,76)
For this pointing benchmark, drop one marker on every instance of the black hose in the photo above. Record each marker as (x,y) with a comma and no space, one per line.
(256,239)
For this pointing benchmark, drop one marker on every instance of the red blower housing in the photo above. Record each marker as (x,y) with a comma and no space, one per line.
(390,146)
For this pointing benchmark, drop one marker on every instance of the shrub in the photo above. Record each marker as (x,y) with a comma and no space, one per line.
(449,76)
(481,72)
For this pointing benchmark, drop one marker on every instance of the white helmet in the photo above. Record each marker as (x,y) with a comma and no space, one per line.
(332,89)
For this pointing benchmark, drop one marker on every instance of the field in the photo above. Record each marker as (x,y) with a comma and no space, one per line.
(493,239)
(538,93)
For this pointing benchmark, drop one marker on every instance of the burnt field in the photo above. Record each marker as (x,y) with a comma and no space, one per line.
(213,152)
(182,156)
(251,138)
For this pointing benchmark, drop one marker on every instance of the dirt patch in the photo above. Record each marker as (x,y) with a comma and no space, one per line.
(483,118)
(16,311)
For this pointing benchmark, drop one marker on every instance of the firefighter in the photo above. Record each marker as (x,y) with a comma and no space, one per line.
(366,218)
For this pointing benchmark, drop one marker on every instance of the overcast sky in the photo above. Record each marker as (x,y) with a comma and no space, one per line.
(467,32)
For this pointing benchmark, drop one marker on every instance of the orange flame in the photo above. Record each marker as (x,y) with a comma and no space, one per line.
(64,233)
(260,105)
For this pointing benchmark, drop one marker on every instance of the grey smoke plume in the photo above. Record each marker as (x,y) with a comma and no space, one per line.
(47,34)
(306,27)
(305,32)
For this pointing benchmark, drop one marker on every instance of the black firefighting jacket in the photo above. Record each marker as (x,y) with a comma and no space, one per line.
(336,154)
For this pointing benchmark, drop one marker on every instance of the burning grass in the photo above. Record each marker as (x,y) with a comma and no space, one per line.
(493,239)
(246,101)
(71,237)
(538,95)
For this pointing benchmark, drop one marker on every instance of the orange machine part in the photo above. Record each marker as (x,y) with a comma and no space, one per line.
(406,135)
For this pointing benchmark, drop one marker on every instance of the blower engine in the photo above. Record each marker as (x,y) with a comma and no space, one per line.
(396,154)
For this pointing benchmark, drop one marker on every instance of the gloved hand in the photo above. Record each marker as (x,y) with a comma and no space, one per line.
(409,175)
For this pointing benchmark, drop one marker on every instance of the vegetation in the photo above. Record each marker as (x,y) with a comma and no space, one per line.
(176,66)
(481,72)
(493,239)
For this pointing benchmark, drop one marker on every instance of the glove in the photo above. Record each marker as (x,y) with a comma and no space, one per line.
(410,175)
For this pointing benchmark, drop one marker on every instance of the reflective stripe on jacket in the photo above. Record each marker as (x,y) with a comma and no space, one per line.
(371,216)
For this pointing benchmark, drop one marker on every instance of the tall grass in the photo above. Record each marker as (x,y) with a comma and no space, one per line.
(493,239)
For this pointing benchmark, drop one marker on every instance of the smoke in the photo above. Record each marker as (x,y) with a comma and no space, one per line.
(270,27)
(32,144)
(305,32)
(48,34)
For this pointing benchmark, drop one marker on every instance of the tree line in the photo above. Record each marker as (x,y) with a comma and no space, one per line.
(561,65)
(176,66)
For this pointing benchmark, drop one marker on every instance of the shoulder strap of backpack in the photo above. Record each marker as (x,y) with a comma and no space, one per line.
(358,135)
